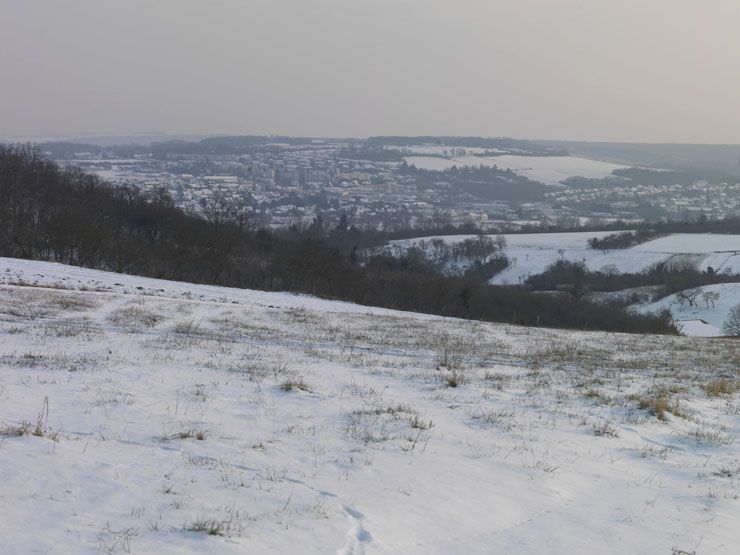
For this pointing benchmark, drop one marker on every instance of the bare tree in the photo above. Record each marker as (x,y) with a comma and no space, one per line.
(732,324)
(688,296)
(710,297)
(610,270)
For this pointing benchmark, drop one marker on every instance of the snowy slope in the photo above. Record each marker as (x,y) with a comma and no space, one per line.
(714,316)
(692,242)
(532,253)
(161,417)
(550,170)
(722,251)
(698,328)
(50,274)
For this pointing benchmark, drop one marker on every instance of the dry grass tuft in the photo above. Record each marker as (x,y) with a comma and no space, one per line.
(604,429)
(134,317)
(455,377)
(200,435)
(721,387)
(660,403)
(25,428)
(230,525)
(293,384)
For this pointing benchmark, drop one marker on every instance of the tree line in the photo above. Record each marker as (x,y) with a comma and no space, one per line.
(670,276)
(624,240)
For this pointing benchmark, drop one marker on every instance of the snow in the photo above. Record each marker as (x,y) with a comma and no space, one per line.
(714,316)
(541,448)
(109,175)
(577,239)
(531,253)
(551,170)
(723,251)
(51,274)
(572,240)
(692,242)
(698,328)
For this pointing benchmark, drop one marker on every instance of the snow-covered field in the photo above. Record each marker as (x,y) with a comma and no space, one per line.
(550,170)
(704,318)
(147,416)
(532,253)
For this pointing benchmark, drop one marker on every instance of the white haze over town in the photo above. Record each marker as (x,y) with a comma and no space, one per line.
(530,68)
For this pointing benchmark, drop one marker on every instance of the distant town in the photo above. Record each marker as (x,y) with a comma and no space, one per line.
(391,183)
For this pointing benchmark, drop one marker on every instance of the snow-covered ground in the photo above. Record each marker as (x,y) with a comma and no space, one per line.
(677,243)
(531,253)
(722,251)
(705,318)
(550,170)
(698,328)
(161,417)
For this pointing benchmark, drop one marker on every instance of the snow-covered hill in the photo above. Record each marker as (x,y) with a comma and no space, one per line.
(705,318)
(148,416)
(531,253)
(551,170)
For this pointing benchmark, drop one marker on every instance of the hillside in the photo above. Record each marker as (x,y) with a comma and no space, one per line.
(62,214)
(550,170)
(718,159)
(532,253)
(150,416)
(712,315)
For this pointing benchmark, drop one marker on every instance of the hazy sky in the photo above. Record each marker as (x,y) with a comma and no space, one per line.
(643,70)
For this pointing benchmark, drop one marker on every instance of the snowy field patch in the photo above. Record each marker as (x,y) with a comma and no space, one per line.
(550,170)
(705,317)
(531,253)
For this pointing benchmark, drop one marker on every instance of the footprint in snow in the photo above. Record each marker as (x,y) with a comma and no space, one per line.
(357,536)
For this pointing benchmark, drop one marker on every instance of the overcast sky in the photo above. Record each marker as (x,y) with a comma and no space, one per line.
(621,70)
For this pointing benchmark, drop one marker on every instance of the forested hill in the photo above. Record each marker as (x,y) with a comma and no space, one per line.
(65,215)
